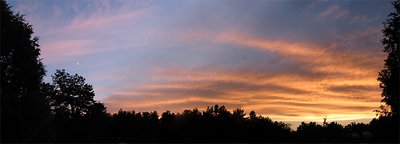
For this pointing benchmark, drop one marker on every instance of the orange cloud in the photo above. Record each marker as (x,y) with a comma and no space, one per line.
(321,59)
(329,81)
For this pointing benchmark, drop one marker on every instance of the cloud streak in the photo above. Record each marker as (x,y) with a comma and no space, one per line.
(329,86)
(286,60)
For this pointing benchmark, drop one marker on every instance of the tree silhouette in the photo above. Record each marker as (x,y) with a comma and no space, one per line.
(311,132)
(72,95)
(238,114)
(72,104)
(252,115)
(333,131)
(24,111)
(386,128)
(389,76)
(356,131)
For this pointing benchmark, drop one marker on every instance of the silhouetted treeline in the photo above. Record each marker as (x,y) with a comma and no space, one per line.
(215,124)
(65,110)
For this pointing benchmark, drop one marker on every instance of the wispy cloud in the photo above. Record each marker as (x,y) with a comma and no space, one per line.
(86,28)
(334,11)
(329,82)
(284,60)
(62,50)
(317,58)
(101,22)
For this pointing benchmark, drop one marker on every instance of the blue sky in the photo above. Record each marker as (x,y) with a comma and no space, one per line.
(289,60)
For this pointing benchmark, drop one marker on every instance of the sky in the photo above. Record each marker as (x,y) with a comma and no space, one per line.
(290,60)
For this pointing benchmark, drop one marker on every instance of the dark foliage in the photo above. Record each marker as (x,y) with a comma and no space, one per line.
(24,112)
(389,76)
(216,124)
(77,116)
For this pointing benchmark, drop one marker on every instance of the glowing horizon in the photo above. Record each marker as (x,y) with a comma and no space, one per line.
(290,60)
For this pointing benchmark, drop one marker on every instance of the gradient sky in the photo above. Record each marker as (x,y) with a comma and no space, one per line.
(288,60)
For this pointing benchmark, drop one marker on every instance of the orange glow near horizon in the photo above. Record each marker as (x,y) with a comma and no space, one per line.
(345,91)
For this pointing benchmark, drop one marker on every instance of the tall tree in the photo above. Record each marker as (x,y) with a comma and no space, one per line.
(70,96)
(389,76)
(76,114)
(24,111)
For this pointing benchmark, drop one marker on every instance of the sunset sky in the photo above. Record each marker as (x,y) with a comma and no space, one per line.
(290,60)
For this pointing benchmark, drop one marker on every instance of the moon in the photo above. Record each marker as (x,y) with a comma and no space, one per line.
(77,63)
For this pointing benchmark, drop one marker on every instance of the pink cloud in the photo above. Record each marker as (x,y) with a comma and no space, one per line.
(66,46)
(60,50)
(102,21)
